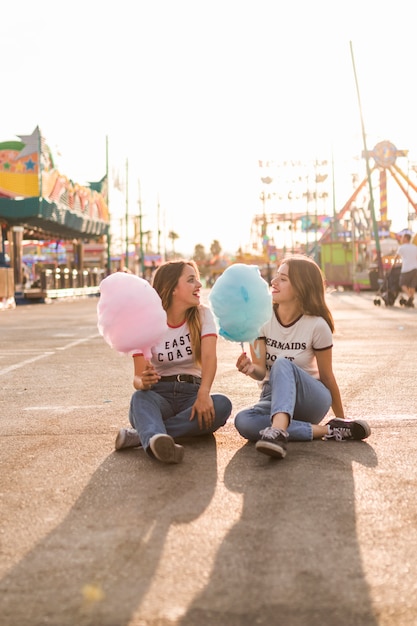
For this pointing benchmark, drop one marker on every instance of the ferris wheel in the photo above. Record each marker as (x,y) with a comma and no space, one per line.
(384,155)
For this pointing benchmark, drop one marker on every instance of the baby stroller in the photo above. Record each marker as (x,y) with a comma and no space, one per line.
(390,287)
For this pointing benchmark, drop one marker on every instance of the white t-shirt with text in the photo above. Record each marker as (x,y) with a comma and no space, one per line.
(296,342)
(173,354)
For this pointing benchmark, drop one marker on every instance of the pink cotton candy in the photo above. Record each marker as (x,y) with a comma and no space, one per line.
(130,314)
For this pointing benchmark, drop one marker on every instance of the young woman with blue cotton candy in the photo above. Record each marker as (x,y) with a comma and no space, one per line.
(292,360)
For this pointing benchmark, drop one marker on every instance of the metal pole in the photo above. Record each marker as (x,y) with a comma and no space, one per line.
(292,233)
(142,259)
(307,213)
(368,172)
(315,207)
(158,226)
(334,224)
(108,208)
(127,215)
(40,163)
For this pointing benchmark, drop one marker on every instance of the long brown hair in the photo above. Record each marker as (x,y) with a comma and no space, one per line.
(164,282)
(309,284)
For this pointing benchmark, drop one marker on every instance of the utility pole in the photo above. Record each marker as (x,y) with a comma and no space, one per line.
(127,215)
(368,172)
(158,217)
(265,239)
(108,208)
(142,259)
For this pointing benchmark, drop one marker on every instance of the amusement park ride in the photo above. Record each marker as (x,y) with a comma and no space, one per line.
(353,248)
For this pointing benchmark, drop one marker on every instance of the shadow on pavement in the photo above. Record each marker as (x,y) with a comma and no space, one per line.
(293,558)
(109,545)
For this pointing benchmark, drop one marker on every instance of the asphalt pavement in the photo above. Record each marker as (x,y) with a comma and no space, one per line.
(94,537)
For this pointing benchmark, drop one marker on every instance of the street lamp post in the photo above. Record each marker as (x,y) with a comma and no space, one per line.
(127,216)
(267,180)
(142,259)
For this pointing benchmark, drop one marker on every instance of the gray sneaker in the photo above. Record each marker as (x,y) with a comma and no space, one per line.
(127,438)
(165,449)
(273,442)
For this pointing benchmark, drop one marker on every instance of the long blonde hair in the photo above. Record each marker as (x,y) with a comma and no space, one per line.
(309,283)
(164,282)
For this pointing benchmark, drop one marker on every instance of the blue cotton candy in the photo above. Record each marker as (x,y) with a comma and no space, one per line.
(241,302)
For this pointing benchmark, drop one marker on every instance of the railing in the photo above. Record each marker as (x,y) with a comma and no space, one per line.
(69,279)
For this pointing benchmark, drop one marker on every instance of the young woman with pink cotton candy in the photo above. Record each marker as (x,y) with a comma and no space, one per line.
(173,378)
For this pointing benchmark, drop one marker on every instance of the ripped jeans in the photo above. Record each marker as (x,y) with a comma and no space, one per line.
(289,390)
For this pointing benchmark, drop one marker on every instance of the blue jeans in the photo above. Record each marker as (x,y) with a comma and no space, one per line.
(289,390)
(166,408)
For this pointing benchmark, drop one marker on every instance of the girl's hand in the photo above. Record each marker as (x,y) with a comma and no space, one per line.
(203,407)
(148,377)
(245,365)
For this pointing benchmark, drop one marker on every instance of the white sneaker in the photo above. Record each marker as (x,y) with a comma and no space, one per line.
(127,438)
(165,449)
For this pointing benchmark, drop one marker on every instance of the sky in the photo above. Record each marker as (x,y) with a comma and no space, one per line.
(192,94)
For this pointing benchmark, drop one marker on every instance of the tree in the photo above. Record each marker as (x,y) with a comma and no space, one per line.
(215,248)
(201,258)
(199,255)
(173,236)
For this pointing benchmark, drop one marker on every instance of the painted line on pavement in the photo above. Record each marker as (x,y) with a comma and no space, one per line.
(16,366)
(76,343)
(11,368)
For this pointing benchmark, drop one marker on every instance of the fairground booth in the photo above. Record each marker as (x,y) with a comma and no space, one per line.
(54,231)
